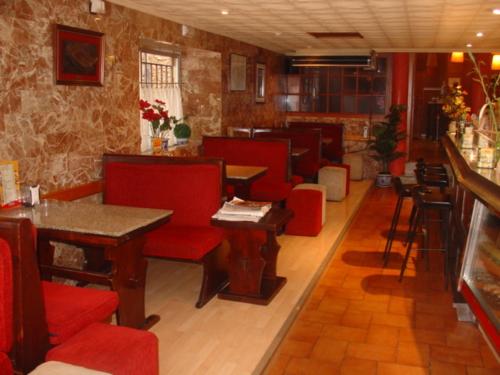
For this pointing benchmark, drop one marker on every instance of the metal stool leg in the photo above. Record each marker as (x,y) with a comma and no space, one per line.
(411,238)
(392,230)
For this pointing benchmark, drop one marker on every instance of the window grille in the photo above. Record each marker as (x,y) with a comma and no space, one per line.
(159,69)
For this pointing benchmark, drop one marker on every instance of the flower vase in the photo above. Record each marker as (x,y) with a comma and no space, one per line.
(156,144)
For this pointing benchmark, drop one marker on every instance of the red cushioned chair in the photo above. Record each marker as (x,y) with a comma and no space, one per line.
(333,151)
(98,346)
(275,185)
(307,206)
(308,165)
(192,188)
(5,308)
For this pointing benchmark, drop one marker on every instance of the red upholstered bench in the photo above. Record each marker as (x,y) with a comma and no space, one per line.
(192,188)
(274,154)
(23,324)
(333,151)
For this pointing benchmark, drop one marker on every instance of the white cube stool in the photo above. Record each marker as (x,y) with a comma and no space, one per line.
(318,187)
(61,368)
(355,161)
(334,178)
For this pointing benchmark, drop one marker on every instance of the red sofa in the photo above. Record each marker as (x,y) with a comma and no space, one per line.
(23,319)
(275,185)
(192,188)
(333,151)
(309,164)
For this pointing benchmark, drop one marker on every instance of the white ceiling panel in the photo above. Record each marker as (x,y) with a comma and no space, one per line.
(282,25)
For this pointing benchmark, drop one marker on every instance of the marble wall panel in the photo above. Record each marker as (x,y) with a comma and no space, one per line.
(58,133)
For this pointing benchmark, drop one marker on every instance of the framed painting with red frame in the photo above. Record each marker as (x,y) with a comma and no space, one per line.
(78,56)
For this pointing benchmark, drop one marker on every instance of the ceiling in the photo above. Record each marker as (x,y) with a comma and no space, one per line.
(386,25)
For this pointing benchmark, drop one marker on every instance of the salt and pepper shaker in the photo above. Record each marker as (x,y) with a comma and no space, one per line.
(30,195)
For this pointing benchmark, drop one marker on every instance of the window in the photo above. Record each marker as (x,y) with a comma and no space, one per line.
(338,90)
(159,69)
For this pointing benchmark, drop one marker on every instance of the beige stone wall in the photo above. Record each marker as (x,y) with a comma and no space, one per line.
(58,133)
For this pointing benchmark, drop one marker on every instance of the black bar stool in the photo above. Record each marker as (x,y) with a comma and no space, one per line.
(426,201)
(402,187)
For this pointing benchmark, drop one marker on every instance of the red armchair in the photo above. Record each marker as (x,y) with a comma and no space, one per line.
(274,154)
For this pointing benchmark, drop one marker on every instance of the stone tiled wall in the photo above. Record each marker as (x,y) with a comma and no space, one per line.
(58,133)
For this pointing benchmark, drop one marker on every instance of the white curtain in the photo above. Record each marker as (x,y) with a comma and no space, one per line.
(171,95)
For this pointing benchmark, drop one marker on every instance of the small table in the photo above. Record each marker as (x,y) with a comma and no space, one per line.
(298,152)
(116,232)
(252,260)
(242,177)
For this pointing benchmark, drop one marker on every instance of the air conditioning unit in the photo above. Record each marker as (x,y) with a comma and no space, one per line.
(368,62)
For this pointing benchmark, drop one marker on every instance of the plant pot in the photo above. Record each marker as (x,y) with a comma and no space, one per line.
(383,180)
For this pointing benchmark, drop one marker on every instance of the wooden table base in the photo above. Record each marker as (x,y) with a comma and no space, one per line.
(269,289)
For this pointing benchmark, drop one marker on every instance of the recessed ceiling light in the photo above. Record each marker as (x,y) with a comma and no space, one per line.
(224,12)
(479,34)
(496,11)
(277,33)
(468,45)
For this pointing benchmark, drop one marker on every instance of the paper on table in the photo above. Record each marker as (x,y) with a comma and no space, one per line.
(9,182)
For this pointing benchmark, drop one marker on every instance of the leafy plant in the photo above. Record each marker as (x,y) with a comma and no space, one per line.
(181,128)
(387,136)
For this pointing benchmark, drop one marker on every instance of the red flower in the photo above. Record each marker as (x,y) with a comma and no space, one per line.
(143,104)
(164,114)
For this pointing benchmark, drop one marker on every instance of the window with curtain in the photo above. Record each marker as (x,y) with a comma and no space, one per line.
(159,79)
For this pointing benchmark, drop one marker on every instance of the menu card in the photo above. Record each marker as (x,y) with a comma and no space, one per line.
(9,183)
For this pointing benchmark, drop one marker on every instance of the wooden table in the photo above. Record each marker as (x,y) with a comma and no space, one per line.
(253,256)
(242,177)
(298,152)
(115,232)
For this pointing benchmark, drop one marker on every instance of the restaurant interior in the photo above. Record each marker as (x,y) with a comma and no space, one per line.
(249,187)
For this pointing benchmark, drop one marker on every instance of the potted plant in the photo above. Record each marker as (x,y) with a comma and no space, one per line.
(387,136)
(182,131)
(159,121)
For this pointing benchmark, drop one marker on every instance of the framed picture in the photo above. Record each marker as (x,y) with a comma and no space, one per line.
(260,83)
(238,73)
(78,56)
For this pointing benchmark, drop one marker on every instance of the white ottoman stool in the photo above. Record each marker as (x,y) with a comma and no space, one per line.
(334,178)
(355,161)
(321,188)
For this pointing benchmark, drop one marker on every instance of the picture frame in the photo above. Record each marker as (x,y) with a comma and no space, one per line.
(238,72)
(78,55)
(260,83)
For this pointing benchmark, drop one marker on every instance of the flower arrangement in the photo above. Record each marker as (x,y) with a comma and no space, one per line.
(157,116)
(454,103)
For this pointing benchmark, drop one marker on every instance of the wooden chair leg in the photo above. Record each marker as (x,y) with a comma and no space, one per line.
(215,277)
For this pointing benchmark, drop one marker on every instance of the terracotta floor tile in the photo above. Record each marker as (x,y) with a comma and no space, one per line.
(343,333)
(489,360)
(305,331)
(393,320)
(413,354)
(443,368)
(481,371)
(426,336)
(428,321)
(313,315)
(329,350)
(333,305)
(402,305)
(382,335)
(377,294)
(342,293)
(308,366)
(356,366)
(399,369)
(277,365)
(456,355)
(371,352)
(369,306)
(296,348)
(356,319)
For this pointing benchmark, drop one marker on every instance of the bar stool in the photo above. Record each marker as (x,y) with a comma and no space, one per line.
(426,201)
(402,187)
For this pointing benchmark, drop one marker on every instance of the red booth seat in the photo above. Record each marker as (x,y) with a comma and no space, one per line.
(308,165)
(333,151)
(87,306)
(275,185)
(192,188)
(6,298)
(307,207)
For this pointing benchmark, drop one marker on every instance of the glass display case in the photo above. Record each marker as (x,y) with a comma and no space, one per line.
(480,276)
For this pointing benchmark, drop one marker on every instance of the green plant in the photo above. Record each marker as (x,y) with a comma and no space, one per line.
(181,128)
(387,136)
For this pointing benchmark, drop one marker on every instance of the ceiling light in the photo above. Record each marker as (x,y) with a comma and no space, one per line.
(277,33)
(468,45)
(224,12)
(479,34)
(457,57)
(495,62)
(496,11)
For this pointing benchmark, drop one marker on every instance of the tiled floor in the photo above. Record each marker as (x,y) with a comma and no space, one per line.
(360,320)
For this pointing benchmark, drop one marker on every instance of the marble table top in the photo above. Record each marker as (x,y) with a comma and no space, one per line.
(89,218)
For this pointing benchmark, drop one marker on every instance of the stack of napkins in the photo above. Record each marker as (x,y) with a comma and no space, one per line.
(241,210)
